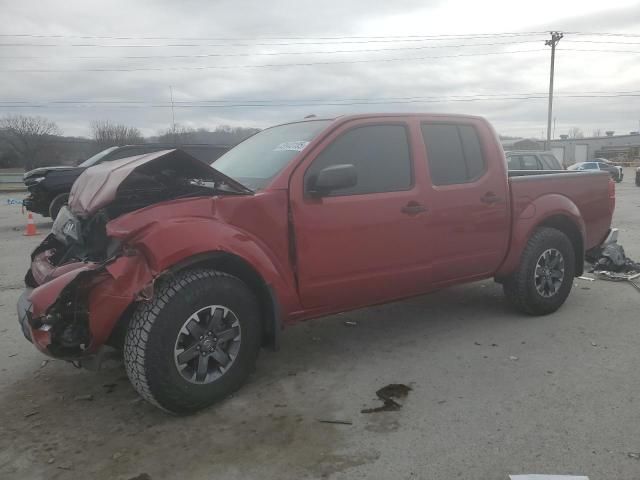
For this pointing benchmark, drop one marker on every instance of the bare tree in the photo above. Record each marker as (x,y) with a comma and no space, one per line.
(177,135)
(27,136)
(597,132)
(575,132)
(107,134)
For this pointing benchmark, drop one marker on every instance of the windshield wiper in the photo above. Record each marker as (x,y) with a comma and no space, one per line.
(225,187)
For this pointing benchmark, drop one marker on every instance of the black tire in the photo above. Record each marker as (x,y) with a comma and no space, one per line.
(156,325)
(57,203)
(520,287)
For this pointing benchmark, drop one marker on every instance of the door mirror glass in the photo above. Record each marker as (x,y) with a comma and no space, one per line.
(329,179)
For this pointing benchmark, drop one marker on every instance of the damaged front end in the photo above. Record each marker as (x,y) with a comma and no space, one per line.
(82,282)
(77,290)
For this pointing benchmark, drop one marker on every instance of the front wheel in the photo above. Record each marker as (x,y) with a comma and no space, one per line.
(545,276)
(195,342)
(56,204)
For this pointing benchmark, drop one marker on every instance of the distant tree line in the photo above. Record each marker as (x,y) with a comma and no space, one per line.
(32,141)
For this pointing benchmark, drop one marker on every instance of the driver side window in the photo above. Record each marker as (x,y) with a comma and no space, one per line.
(379,153)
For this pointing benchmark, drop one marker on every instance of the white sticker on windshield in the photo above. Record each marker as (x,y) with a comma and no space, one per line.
(291,146)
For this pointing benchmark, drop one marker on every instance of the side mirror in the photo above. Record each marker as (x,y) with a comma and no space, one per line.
(329,179)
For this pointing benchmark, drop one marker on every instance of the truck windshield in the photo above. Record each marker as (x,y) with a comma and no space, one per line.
(97,157)
(259,158)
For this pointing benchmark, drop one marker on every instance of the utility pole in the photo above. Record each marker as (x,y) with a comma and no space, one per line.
(173,113)
(555,38)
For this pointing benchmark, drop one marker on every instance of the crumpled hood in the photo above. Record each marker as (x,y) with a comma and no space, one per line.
(152,176)
(42,171)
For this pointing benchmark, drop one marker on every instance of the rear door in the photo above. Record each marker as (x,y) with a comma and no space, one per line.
(468,200)
(368,243)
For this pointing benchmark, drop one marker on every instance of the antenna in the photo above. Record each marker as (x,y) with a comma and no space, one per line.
(173,113)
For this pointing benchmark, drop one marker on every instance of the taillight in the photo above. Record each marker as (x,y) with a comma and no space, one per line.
(612,195)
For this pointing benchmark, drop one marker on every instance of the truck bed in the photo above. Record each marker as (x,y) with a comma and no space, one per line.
(588,191)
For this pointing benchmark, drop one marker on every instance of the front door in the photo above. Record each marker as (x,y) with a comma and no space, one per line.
(368,243)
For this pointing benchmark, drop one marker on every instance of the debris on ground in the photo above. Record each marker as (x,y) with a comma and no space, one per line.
(514,358)
(350,323)
(388,395)
(86,398)
(142,476)
(13,355)
(634,455)
(337,422)
(612,258)
(65,466)
(44,363)
(31,414)
(587,278)
(611,263)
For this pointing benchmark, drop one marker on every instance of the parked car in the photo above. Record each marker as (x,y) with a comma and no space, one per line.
(49,186)
(616,173)
(532,160)
(189,269)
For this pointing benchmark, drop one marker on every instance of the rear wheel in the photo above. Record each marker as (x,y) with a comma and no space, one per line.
(545,276)
(195,342)
(57,203)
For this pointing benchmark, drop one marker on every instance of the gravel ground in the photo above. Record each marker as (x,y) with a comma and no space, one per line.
(493,392)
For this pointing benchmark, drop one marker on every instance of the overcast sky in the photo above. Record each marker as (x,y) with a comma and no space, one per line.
(243,53)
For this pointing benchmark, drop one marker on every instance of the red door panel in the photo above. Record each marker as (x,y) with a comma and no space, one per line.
(360,249)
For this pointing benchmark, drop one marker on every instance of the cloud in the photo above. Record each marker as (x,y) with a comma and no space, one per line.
(244,27)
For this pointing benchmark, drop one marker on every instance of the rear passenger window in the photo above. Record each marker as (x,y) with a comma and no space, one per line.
(380,154)
(454,153)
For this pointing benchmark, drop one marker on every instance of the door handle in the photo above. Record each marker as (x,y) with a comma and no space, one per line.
(490,198)
(413,208)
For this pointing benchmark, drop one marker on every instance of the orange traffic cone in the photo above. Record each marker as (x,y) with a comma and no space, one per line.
(31,229)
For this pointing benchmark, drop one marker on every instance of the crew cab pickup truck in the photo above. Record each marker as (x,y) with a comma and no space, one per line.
(190,269)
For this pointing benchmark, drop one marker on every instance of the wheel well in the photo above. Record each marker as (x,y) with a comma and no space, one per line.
(238,267)
(233,265)
(570,229)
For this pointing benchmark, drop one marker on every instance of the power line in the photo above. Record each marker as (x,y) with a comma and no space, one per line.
(327,38)
(542,96)
(605,34)
(213,67)
(306,64)
(307,100)
(251,54)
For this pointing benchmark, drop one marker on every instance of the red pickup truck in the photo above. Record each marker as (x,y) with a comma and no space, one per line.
(190,269)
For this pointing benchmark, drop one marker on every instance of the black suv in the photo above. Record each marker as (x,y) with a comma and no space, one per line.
(49,187)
